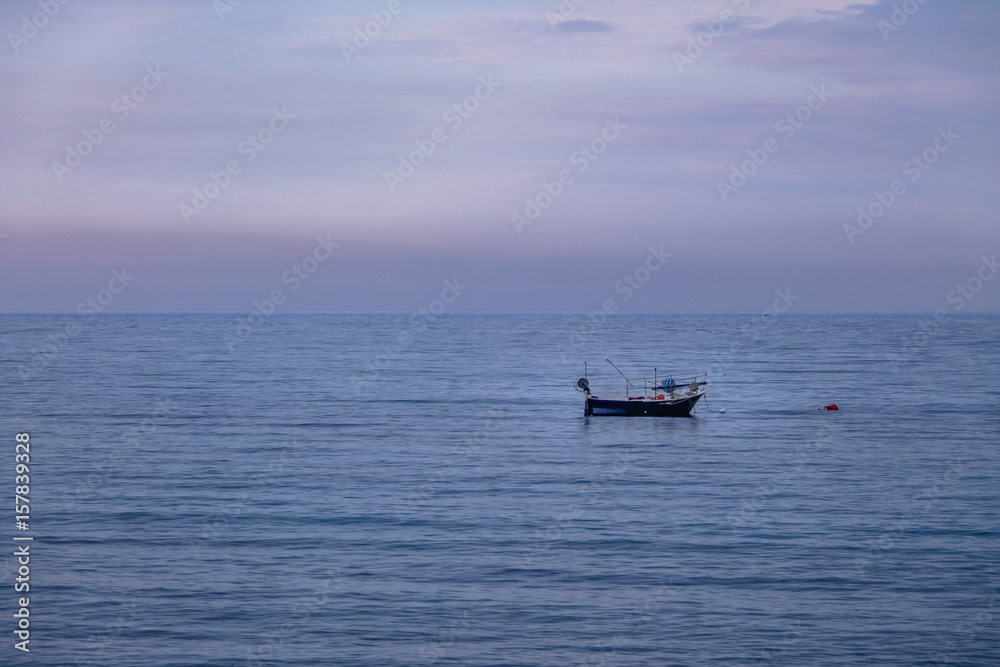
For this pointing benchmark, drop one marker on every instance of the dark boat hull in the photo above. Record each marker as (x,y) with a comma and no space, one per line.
(668,408)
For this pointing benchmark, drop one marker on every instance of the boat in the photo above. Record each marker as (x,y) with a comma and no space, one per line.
(659,396)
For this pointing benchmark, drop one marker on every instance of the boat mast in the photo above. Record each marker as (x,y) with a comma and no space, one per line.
(628,383)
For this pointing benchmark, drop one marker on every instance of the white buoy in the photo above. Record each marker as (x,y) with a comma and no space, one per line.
(722,411)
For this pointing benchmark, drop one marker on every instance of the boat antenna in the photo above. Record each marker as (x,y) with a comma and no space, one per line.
(620,373)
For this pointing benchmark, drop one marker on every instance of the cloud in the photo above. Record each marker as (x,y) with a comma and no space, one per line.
(582,25)
(357,118)
(864,44)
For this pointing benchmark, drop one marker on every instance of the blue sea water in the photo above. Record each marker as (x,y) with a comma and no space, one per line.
(371,490)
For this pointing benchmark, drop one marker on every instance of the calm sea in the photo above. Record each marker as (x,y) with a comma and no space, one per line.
(387,490)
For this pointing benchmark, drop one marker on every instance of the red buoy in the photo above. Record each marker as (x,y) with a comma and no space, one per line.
(832,406)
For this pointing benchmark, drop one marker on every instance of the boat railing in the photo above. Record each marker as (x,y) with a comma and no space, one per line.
(671,385)
(674,385)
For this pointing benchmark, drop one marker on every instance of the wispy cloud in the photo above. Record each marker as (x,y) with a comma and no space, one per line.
(607,59)
(583,25)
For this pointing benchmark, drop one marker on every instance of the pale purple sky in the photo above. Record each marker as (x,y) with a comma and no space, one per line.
(669,109)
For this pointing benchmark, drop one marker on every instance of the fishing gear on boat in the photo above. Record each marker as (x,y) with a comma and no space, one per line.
(678,398)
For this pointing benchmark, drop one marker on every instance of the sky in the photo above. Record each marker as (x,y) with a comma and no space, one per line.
(354,156)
